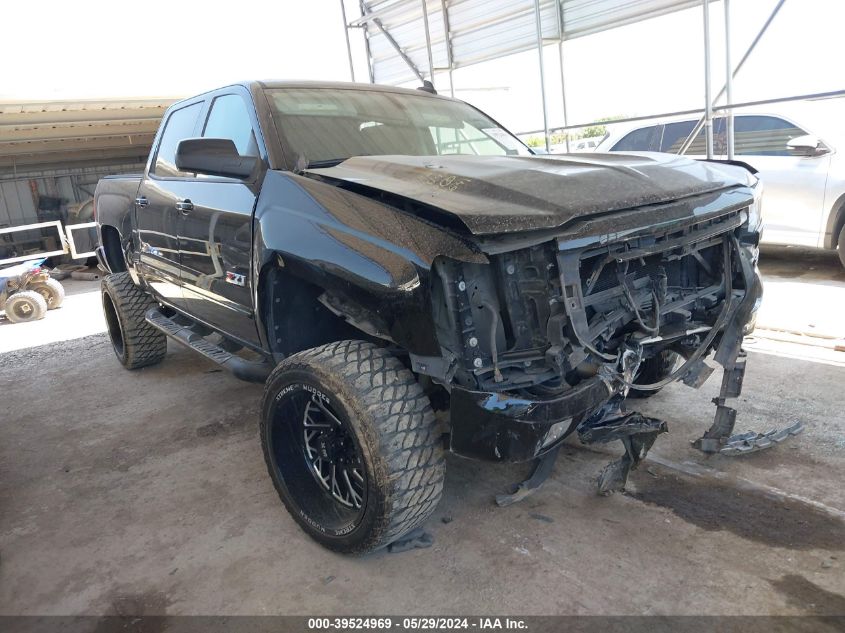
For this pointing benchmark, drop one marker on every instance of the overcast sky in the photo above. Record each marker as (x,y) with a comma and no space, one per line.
(105,48)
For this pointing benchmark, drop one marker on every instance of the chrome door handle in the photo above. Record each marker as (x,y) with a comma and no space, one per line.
(185,205)
(142,201)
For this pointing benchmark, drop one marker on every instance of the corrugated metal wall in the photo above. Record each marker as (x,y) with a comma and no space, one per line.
(19,197)
(16,204)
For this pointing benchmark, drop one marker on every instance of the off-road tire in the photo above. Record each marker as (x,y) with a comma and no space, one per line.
(136,343)
(394,430)
(653,370)
(52,291)
(17,304)
(841,246)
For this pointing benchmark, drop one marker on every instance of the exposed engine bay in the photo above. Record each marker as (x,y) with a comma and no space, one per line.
(621,278)
(539,322)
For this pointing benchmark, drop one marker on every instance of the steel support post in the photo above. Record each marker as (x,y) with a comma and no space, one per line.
(364,12)
(428,41)
(560,31)
(539,25)
(736,70)
(448,34)
(346,35)
(729,81)
(708,97)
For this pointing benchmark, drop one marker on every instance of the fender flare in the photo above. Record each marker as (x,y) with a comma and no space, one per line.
(374,259)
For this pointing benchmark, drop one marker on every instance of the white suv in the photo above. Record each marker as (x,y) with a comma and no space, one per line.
(803,175)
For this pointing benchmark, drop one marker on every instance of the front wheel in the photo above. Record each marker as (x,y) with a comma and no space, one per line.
(25,306)
(352,445)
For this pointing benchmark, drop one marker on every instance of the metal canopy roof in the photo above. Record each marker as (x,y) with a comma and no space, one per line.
(466,32)
(48,134)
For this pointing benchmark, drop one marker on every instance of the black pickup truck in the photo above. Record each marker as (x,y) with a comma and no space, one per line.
(406,277)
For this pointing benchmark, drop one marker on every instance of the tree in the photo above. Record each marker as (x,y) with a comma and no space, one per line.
(598,130)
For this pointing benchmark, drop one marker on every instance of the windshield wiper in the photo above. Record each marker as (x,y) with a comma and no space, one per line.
(328,162)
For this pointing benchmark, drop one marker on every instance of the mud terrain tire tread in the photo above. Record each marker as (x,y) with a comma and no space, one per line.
(394,423)
(143,345)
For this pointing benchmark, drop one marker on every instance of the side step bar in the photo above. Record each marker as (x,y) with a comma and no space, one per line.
(251,371)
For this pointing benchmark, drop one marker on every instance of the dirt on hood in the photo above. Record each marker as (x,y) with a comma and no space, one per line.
(503,194)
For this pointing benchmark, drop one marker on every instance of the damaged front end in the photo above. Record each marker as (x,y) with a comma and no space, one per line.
(550,336)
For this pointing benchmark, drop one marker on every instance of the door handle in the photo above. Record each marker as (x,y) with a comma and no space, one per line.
(185,205)
(142,201)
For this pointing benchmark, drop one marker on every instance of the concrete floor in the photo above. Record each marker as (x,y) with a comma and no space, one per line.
(146,493)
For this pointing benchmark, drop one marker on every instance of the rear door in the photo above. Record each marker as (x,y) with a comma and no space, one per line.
(156,215)
(793,186)
(216,232)
(670,137)
(676,133)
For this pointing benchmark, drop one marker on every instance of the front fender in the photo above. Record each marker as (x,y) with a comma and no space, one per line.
(369,253)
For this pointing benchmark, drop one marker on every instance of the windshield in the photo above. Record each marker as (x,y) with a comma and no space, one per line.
(324,126)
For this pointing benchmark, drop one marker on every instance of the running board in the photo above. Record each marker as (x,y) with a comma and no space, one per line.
(251,371)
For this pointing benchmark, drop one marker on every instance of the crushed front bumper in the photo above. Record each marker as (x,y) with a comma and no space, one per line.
(503,428)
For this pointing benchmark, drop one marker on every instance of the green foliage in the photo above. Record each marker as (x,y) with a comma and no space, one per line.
(595,130)
(598,130)
(556,138)
(559,138)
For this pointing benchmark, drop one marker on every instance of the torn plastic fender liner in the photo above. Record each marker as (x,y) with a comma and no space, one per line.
(496,427)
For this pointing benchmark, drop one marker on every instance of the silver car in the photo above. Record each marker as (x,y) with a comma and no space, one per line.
(795,152)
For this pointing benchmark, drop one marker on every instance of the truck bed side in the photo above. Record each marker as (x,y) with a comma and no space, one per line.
(114,203)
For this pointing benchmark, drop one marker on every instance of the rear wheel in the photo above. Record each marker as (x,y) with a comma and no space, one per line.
(52,291)
(25,306)
(136,343)
(352,445)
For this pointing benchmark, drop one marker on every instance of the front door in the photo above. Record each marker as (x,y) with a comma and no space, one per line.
(215,238)
(156,215)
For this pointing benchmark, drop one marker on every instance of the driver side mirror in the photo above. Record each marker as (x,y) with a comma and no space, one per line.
(807,145)
(214,157)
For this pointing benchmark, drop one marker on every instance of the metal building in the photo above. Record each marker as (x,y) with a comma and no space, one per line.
(52,153)
(416,40)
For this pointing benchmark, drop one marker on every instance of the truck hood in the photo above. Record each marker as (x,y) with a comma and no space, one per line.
(504,194)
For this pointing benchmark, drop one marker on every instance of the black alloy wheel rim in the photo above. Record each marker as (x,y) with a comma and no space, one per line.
(331,454)
(318,459)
